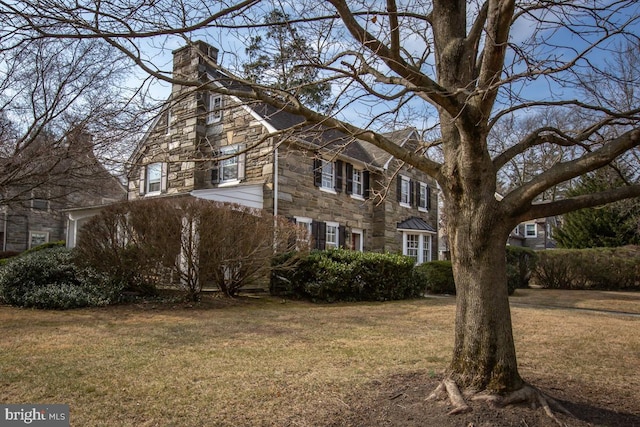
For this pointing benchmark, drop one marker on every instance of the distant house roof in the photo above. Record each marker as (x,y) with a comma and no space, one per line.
(415,223)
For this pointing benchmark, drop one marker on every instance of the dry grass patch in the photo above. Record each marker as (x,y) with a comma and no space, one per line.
(628,302)
(263,362)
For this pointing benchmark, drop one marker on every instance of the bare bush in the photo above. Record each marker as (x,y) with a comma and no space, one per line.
(188,244)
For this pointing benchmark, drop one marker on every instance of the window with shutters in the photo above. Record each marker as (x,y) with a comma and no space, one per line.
(328,175)
(358,187)
(424,197)
(357,182)
(404,191)
(332,240)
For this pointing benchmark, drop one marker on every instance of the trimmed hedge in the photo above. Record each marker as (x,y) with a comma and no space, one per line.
(342,275)
(601,268)
(439,276)
(49,278)
(520,265)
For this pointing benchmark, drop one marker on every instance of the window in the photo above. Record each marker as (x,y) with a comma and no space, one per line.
(426,248)
(37,238)
(357,240)
(404,191)
(215,108)
(412,245)
(332,235)
(357,183)
(40,204)
(305,225)
(424,197)
(229,169)
(168,122)
(417,246)
(530,230)
(154,178)
(327,175)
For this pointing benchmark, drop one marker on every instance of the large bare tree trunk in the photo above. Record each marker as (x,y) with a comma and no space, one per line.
(484,356)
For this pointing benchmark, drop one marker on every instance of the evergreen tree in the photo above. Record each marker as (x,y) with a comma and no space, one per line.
(284,60)
(617,224)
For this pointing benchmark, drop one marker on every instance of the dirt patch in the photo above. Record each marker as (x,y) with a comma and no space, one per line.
(400,401)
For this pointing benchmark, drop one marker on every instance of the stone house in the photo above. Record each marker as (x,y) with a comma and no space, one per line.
(346,192)
(39,214)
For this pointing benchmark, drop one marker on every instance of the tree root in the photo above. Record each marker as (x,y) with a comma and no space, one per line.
(526,394)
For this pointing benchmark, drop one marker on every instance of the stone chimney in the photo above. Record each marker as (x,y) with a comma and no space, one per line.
(191,60)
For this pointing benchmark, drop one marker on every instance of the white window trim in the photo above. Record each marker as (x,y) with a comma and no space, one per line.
(422,238)
(408,181)
(240,163)
(305,222)
(359,232)
(535,230)
(168,131)
(214,115)
(423,186)
(31,233)
(147,181)
(332,185)
(336,243)
(357,195)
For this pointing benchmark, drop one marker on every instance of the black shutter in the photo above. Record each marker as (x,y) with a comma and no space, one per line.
(428,197)
(349,178)
(366,184)
(399,189)
(317,172)
(412,199)
(214,174)
(322,236)
(319,233)
(342,236)
(338,165)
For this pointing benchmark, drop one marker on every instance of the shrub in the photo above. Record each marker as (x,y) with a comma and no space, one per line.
(439,277)
(108,244)
(187,244)
(520,265)
(602,268)
(342,275)
(49,278)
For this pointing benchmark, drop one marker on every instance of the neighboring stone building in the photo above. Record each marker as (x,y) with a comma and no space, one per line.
(347,192)
(77,179)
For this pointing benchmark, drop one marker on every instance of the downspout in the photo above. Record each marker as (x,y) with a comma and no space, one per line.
(4,232)
(275,180)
